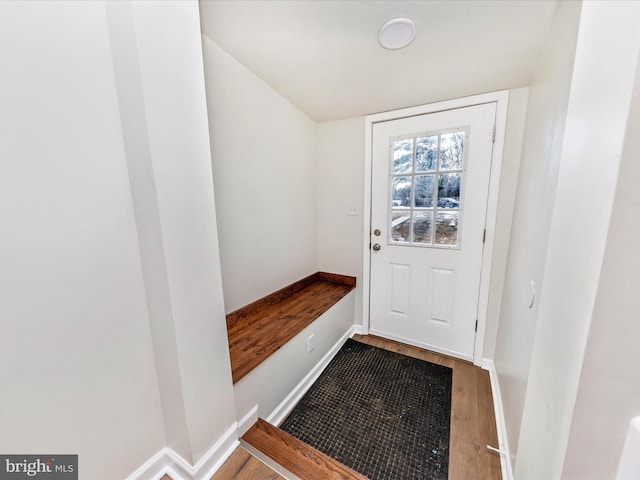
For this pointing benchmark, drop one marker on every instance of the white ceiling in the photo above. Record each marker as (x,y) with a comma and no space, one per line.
(324,57)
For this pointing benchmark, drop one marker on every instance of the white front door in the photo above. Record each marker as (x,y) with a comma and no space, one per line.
(430,182)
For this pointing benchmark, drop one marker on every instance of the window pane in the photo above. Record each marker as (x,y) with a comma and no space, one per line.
(400,223)
(426,182)
(422,222)
(424,190)
(447,228)
(402,155)
(449,190)
(426,151)
(451,151)
(401,192)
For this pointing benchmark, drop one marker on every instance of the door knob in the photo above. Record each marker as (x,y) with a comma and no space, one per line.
(376,247)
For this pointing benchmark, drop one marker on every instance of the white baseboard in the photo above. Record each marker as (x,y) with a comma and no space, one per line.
(246,422)
(173,473)
(503,444)
(281,411)
(360,330)
(168,462)
(153,469)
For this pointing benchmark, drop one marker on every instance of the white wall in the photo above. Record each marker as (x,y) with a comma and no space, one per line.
(159,74)
(511,155)
(264,172)
(279,196)
(609,391)
(546,113)
(340,182)
(113,340)
(596,118)
(76,357)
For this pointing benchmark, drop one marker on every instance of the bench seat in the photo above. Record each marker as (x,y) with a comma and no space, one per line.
(259,329)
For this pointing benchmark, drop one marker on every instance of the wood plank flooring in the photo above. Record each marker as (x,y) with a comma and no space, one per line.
(241,465)
(473,424)
(261,328)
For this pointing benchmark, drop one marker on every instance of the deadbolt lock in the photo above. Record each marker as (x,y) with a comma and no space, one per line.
(376,232)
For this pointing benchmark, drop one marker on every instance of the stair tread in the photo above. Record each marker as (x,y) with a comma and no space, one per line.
(296,456)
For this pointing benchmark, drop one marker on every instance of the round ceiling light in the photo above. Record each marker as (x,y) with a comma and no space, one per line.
(397,33)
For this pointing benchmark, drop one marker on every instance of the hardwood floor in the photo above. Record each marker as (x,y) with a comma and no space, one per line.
(473,427)
(473,424)
(241,465)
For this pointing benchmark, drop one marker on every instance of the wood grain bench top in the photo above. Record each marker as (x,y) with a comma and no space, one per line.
(259,329)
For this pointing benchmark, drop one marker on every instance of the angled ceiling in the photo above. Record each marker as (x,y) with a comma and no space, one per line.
(324,57)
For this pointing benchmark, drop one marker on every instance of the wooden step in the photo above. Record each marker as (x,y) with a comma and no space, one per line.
(297,457)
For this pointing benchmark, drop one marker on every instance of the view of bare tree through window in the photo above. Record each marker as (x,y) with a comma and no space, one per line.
(426,153)
(426,182)
(451,151)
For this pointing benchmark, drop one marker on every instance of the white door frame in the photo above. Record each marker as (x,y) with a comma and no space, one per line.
(501,99)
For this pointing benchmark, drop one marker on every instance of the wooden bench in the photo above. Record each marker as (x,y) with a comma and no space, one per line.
(259,329)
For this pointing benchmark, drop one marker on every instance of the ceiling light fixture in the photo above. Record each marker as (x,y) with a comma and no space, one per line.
(397,33)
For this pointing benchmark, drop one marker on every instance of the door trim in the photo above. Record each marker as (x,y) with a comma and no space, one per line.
(501,98)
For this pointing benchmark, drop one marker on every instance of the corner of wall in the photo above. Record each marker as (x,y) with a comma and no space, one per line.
(599,101)
(259,140)
(168,462)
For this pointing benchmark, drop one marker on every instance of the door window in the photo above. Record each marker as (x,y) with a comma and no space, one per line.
(426,181)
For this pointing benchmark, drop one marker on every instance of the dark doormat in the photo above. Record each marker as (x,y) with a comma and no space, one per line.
(383,414)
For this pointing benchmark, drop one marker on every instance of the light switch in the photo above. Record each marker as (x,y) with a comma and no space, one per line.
(352,209)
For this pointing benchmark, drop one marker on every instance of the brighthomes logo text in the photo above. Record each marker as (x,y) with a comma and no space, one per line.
(30,468)
(44,466)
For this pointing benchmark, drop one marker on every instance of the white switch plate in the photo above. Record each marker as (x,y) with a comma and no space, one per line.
(352,209)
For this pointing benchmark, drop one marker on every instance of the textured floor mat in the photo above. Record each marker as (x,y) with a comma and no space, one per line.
(383,414)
